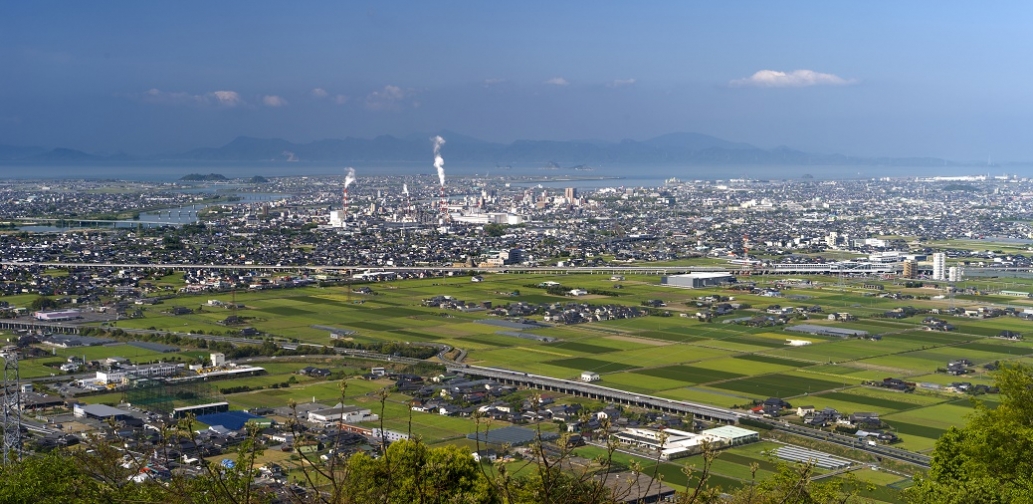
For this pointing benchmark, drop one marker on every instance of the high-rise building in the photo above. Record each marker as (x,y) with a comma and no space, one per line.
(939,266)
(954,274)
(910,268)
(570,194)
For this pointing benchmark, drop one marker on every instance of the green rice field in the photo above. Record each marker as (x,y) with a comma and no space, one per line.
(673,357)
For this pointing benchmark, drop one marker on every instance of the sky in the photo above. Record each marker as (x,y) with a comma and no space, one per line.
(942,79)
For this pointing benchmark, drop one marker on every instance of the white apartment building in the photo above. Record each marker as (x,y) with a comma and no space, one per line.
(939,266)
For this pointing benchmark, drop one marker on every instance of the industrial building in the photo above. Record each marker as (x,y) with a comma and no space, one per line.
(589,376)
(674,443)
(121,375)
(697,280)
(99,412)
(341,413)
(56,316)
(838,332)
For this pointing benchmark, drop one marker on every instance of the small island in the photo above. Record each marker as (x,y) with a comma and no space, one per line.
(200,177)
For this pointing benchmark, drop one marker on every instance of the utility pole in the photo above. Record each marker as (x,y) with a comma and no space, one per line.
(12,409)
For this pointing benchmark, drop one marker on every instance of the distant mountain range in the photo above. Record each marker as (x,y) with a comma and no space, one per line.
(674,148)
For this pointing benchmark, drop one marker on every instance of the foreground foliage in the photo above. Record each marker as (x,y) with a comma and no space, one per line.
(990,460)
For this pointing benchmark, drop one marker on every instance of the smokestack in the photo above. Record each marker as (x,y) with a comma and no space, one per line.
(349,179)
(439,164)
(408,203)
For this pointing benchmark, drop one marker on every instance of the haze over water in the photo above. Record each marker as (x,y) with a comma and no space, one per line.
(651,175)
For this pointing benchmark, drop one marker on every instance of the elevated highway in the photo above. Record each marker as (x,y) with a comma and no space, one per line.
(650,270)
(591,391)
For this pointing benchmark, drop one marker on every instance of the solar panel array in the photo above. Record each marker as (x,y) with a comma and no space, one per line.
(819,459)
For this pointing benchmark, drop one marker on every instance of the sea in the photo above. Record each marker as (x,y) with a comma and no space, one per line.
(600,176)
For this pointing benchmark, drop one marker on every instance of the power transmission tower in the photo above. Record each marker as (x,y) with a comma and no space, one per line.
(12,409)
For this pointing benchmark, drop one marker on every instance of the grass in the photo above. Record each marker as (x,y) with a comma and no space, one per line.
(285,311)
(925,431)
(689,374)
(582,347)
(778,385)
(737,362)
(587,364)
(770,359)
(868,401)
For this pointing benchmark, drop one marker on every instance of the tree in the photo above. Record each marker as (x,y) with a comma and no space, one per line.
(42,303)
(495,230)
(791,484)
(988,460)
(411,472)
(45,479)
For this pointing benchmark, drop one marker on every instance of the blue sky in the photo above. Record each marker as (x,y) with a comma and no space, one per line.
(947,79)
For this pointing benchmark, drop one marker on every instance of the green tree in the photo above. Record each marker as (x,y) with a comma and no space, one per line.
(989,460)
(45,479)
(42,303)
(791,484)
(495,229)
(411,472)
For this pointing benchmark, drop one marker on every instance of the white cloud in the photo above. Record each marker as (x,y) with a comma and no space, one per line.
(796,78)
(320,93)
(155,95)
(557,81)
(273,101)
(619,83)
(389,98)
(227,98)
(221,98)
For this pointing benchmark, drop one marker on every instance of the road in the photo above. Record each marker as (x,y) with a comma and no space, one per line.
(684,407)
(849,441)
(662,270)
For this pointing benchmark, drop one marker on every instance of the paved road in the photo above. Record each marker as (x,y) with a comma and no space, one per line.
(359,268)
(850,442)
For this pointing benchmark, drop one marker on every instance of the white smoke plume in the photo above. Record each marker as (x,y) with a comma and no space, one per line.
(405,189)
(349,177)
(439,162)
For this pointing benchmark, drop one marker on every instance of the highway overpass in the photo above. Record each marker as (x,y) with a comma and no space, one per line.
(591,391)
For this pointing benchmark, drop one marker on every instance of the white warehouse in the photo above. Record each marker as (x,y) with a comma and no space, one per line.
(698,280)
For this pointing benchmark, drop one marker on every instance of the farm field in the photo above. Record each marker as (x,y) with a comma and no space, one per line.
(673,357)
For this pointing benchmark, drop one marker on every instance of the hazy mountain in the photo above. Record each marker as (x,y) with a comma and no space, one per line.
(674,148)
(11,152)
(670,149)
(693,142)
(64,155)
